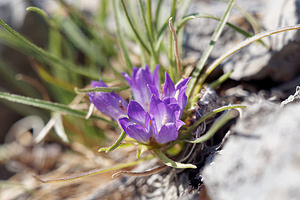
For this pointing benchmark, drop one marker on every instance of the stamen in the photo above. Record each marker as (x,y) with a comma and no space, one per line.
(164,120)
(161,91)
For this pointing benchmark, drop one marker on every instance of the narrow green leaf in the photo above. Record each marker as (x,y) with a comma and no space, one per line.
(123,145)
(96,171)
(157,14)
(56,107)
(215,111)
(232,26)
(216,126)
(242,45)
(149,17)
(120,37)
(101,89)
(48,56)
(38,11)
(133,27)
(167,161)
(117,143)
(208,50)
(148,31)
(220,80)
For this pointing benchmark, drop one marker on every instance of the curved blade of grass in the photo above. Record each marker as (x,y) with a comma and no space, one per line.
(208,50)
(172,71)
(133,27)
(242,45)
(167,161)
(215,111)
(149,17)
(95,172)
(165,25)
(147,28)
(157,13)
(120,37)
(220,80)
(250,18)
(234,27)
(117,143)
(231,114)
(56,107)
(89,47)
(38,11)
(123,145)
(101,89)
(48,56)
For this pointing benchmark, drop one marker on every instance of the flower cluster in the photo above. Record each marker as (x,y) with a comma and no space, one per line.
(154,114)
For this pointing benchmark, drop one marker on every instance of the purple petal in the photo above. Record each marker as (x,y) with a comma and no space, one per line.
(127,78)
(182,83)
(161,112)
(158,111)
(136,113)
(149,125)
(179,124)
(153,90)
(143,85)
(108,103)
(124,122)
(170,100)
(138,133)
(167,133)
(169,88)
(182,99)
(135,131)
(143,79)
(156,77)
(99,83)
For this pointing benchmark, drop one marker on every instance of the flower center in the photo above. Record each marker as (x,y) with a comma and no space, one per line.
(164,120)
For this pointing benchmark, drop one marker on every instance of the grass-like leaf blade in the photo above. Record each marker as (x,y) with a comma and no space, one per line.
(56,107)
(48,56)
(216,126)
(242,45)
(171,163)
(208,50)
(96,171)
(101,89)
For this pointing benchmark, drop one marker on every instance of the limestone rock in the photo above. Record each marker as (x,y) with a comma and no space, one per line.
(261,160)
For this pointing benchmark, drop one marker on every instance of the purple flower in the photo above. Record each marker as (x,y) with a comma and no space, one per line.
(142,83)
(109,103)
(175,94)
(152,116)
(160,123)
